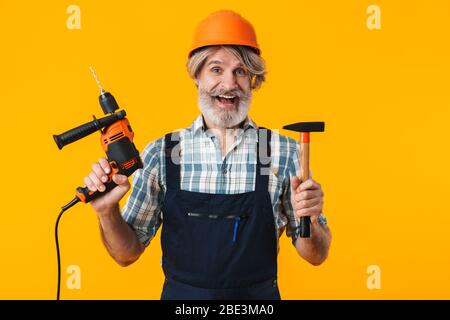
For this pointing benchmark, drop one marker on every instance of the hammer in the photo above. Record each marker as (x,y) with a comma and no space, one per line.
(305,128)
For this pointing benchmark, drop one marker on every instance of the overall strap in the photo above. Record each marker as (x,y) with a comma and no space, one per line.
(264,159)
(173,158)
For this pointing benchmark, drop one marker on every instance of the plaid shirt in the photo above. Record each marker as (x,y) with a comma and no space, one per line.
(204,169)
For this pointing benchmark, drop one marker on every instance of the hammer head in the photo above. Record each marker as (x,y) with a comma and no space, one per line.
(306,127)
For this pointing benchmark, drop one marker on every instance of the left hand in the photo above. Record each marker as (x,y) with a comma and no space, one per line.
(306,198)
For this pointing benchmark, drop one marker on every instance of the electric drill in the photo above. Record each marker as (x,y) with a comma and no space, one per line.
(116,140)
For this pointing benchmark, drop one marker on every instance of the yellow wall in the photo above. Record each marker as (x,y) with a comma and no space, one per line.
(382,162)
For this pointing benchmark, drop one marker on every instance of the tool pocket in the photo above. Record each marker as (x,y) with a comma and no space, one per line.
(234,219)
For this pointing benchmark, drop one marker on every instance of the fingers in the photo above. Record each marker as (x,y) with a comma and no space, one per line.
(307,194)
(100,172)
(313,211)
(308,203)
(98,176)
(89,184)
(93,183)
(309,207)
(305,190)
(307,198)
(96,181)
(309,184)
(120,179)
(105,165)
(295,182)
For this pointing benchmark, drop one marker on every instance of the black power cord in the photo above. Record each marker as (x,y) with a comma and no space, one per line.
(64,208)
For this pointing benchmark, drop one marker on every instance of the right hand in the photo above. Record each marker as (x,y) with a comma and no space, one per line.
(94,181)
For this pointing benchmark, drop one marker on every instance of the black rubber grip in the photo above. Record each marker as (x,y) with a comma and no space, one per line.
(305,227)
(89,197)
(76,133)
(86,129)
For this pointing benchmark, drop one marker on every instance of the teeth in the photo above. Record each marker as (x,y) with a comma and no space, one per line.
(228,97)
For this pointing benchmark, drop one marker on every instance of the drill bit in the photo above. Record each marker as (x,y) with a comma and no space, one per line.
(96,80)
(107,101)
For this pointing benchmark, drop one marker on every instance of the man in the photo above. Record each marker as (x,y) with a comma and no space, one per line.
(222,194)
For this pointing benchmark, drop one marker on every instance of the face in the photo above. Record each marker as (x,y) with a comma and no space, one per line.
(224,89)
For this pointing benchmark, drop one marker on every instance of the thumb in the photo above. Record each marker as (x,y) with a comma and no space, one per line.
(295,182)
(120,179)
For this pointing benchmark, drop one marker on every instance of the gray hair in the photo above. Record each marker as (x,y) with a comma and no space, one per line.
(252,62)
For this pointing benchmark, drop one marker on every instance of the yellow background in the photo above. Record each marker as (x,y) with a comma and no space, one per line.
(382,161)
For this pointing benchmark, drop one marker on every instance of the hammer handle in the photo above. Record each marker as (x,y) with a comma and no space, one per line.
(305,222)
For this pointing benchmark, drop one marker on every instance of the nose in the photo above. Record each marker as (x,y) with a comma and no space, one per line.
(229,81)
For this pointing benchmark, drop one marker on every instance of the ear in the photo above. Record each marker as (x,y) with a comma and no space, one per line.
(196,82)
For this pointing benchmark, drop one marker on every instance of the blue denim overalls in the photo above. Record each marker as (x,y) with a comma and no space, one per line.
(218,246)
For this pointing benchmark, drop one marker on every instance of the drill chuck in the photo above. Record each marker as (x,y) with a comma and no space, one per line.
(108,103)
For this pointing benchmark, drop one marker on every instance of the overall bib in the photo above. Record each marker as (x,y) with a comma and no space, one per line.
(218,246)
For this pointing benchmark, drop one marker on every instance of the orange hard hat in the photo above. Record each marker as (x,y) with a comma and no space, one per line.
(222,28)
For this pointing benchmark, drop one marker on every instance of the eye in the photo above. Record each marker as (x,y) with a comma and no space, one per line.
(216,70)
(241,72)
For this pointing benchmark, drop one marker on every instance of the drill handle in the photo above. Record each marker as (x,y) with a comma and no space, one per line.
(126,167)
(86,129)
(86,195)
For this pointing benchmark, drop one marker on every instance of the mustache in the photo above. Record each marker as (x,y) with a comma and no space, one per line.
(220,91)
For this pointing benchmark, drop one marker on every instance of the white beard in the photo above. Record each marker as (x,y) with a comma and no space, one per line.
(220,117)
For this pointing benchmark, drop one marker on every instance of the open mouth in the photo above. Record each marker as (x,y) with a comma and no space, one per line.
(225,100)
